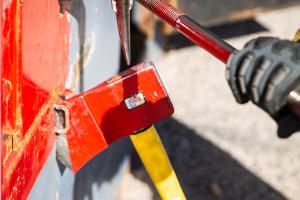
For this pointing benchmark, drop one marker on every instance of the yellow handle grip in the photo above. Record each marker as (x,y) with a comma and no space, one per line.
(155,159)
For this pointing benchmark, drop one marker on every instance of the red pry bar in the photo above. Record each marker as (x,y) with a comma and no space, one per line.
(190,29)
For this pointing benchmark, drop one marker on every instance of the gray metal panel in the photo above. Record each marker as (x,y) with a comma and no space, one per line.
(94,43)
(46,186)
(101,178)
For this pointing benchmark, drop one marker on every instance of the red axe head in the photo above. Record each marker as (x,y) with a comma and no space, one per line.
(121,106)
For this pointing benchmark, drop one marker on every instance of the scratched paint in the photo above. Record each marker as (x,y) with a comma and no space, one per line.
(35,65)
(11,119)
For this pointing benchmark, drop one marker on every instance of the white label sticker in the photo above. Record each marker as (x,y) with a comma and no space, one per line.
(135,101)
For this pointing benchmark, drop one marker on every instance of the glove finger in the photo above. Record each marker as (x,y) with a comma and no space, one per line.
(232,70)
(261,79)
(268,69)
(260,42)
(247,72)
(296,53)
(250,75)
(281,84)
(282,47)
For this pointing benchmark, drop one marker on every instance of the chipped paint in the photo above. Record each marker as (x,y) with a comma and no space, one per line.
(29,134)
(74,71)
(34,61)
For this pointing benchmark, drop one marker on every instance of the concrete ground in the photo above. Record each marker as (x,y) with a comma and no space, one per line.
(219,149)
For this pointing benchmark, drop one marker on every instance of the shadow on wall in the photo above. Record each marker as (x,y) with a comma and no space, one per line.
(101,170)
(204,170)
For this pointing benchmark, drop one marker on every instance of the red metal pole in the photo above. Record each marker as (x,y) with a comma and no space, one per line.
(189,28)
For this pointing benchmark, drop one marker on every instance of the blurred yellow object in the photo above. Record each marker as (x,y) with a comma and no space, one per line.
(297,36)
(155,159)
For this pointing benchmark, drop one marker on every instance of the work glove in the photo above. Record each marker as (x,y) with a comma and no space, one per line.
(265,72)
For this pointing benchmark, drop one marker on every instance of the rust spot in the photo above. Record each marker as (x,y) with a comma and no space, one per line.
(61,119)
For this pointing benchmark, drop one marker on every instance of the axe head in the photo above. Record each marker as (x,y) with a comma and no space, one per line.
(123,105)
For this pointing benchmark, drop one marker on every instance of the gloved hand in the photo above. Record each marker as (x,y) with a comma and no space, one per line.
(265,72)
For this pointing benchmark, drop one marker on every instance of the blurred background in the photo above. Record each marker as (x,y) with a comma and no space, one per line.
(219,149)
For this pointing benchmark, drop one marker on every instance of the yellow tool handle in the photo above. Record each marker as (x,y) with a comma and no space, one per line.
(297,36)
(155,159)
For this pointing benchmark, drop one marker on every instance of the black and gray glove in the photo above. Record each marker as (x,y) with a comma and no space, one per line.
(265,72)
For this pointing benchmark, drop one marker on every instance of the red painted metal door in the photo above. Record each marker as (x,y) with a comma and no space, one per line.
(34,67)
